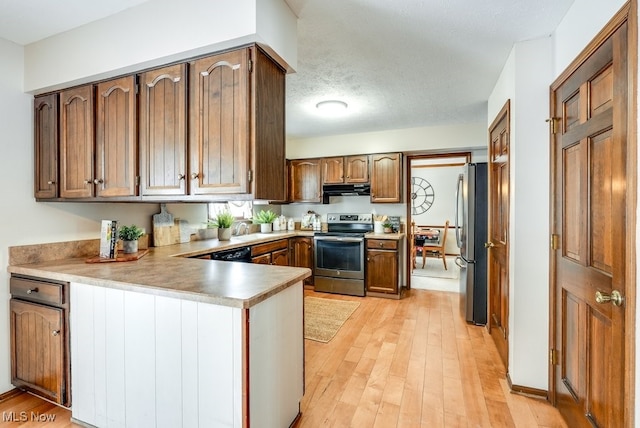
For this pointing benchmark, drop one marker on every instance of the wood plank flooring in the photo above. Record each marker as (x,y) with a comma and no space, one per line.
(395,363)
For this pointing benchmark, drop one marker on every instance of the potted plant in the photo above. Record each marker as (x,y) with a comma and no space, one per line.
(387,227)
(223,221)
(129,236)
(265,219)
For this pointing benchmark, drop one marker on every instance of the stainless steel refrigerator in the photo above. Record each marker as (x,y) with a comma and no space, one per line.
(471,233)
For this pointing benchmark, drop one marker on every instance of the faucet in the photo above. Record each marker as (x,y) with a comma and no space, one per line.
(241,228)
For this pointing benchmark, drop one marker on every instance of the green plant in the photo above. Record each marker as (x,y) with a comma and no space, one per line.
(265,217)
(224,220)
(387,225)
(130,233)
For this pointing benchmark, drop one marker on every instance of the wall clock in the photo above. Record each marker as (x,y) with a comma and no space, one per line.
(422,195)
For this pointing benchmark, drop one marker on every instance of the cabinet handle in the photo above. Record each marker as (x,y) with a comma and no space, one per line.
(51,182)
(381,244)
(88,181)
(98,181)
(55,332)
(348,176)
(194,175)
(32,290)
(180,176)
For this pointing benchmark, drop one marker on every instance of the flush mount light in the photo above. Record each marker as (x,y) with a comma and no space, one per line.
(332,107)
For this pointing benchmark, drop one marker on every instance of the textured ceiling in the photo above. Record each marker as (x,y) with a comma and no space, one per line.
(398,64)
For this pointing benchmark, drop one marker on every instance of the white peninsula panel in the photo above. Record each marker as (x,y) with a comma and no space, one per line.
(141,360)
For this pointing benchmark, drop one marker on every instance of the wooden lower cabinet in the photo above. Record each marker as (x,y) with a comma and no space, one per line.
(382,266)
(39,339)
(271,253)
(301,254)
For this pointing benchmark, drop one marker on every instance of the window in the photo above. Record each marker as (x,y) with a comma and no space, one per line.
(239,209)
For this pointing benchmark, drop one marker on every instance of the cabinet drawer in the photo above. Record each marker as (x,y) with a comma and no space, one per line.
(384,244)
(269,247)
(37,291)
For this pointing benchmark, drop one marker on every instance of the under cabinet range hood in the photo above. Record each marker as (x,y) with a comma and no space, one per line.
(344,190)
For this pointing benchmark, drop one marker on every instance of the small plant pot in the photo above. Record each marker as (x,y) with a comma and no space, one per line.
(266,227)
(388,230)
(130,247)
(224,233)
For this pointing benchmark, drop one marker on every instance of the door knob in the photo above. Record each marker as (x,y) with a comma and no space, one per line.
(615,297)
(489,245)
(194,175)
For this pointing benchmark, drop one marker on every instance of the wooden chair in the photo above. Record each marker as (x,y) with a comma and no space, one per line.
(436,250)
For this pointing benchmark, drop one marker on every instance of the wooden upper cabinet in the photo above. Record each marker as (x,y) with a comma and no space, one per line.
(116,142)
(386,177)
(76,142)
(163,131)
(304,180)
(348,169)
(45,134)
(219,136)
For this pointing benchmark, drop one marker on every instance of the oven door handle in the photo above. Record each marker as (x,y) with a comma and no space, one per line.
(338,238)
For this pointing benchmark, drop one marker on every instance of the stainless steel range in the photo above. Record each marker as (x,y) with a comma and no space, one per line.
(339,254)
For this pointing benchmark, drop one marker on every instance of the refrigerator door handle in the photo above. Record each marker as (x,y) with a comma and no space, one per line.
(457,217)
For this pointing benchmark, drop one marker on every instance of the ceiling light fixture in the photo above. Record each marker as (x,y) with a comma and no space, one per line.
(332,107)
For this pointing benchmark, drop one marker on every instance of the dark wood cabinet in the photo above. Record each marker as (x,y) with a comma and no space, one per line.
(301,254)
(347,169)
(116,139)
(40,338)
(45,133)
(77,142)
(382,266)
(237,137)
(271,253)
(386,178)
(305,180)
(163,131)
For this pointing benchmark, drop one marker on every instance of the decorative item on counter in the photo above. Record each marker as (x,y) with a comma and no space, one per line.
(129,236)
(108,238)
(276,225)
(265,220)
(291,225)
(387,226)
(309,221)
(378,223)
(283,222)
(223,222)
(208,231)
(395,223)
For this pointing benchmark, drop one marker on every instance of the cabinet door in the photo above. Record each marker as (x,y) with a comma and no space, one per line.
(333,170)
(264,259)
(37,346)
(357,169)
(116,149)
(163,131)
(76,142)
(302,254)
(219,133)
(45,135)
(280,257)
(304,181)
(386,175)
(382,271)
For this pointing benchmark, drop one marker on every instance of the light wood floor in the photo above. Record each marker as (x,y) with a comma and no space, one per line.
(407,363)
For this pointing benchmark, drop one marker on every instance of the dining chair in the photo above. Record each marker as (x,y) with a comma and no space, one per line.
(436,250)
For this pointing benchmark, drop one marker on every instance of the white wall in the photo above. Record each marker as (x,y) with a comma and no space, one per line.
(531,68)
(155,33)
(443,179)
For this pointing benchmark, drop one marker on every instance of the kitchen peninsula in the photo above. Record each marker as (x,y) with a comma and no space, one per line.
(169,340)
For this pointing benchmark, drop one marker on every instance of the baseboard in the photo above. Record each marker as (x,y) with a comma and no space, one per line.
(526,390)
(10,394)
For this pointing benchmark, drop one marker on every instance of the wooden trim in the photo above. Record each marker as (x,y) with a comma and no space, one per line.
(437,165)
(610,28)
(631,215)
(10,394)
(246,339)
(526,390)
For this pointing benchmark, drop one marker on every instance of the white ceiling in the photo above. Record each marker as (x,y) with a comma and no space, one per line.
(398,64)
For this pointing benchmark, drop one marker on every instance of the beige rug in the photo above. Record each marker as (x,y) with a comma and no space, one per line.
(324,317)
(434,268)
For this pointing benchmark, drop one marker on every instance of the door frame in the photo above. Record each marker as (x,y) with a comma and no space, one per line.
(627,13)
(408,157)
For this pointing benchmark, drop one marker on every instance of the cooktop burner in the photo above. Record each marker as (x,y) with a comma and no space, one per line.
(348,224)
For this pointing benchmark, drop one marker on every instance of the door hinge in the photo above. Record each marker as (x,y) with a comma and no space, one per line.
(554,241)
(250,65)
(553,357)
(552,124)
(250,175)
(137,180)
